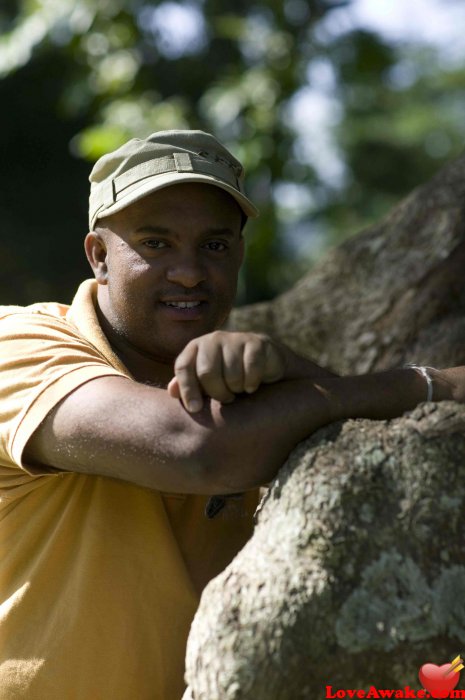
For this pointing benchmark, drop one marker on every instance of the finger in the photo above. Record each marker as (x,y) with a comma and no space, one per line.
(209,367)
(233,367)
(186,375)
(254,358)
(274,363)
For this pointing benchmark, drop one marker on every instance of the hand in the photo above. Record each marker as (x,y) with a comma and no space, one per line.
(222,364)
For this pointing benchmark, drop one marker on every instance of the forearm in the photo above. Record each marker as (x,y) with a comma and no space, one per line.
(114,427)
(378,396)
(246,442)
(299,367)
(389,394)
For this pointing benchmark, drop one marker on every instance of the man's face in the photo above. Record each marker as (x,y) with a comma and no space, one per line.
(181,243)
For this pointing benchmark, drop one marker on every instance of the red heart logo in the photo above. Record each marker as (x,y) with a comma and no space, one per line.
(435,680)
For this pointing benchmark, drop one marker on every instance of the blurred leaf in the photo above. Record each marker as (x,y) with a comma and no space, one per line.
(95,141)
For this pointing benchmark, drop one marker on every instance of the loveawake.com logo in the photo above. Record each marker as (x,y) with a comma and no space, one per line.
(437,682)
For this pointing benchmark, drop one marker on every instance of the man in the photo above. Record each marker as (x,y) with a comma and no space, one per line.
(124,413)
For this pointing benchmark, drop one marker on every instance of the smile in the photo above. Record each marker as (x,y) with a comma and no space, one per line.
(182,304)
(184,310)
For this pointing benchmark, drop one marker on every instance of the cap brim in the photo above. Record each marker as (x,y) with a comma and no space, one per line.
(141,189)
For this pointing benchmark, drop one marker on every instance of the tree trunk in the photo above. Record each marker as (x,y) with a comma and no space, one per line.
(355,575)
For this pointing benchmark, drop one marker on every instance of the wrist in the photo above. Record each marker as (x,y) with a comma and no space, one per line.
(427,374)
(438,386)
(445,386)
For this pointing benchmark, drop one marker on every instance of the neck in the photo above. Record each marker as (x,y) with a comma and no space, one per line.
(144,367)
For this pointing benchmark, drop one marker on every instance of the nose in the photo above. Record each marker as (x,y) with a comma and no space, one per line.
(186,270)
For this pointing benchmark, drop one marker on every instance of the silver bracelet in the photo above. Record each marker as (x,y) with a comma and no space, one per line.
(424,371)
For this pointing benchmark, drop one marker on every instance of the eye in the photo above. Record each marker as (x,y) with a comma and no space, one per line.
(153,243)
(215,245)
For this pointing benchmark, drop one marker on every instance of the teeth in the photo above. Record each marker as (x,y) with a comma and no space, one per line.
(182,304)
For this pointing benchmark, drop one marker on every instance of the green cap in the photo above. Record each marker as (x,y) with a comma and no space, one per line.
(164,158)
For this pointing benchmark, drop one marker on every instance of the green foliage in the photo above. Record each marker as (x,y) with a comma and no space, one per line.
(82,76)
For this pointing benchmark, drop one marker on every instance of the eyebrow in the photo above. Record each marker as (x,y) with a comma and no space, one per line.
(161,230)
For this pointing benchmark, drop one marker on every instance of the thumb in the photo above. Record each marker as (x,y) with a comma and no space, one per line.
(173,388)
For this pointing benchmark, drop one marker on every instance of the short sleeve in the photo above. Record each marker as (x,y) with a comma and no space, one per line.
(42,359)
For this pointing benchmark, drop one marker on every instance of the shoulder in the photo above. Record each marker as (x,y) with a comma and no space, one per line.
(43,335)
(46,309)
(36,316)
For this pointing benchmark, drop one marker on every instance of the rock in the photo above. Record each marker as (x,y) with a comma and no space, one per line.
(355,574)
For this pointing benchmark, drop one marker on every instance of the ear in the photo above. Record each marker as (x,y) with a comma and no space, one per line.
(96,252)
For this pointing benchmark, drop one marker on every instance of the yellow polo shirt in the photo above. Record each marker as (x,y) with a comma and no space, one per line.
(99,579)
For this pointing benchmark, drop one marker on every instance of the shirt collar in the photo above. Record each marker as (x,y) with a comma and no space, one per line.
(83,315)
